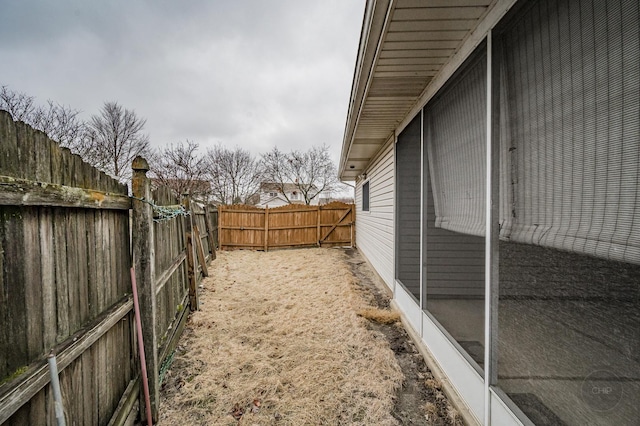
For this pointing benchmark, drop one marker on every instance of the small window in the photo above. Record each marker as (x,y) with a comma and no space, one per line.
(273,194)
(365,197)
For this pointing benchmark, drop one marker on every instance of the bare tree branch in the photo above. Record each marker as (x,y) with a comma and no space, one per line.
(235,175)
(114,139)
(18,104)
(61,123)
(181,168)
(312,172)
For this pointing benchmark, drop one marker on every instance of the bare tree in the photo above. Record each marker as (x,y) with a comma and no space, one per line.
(61,123)
(20,105)
(114,139)
(235,175)
(312,172)
(180,168)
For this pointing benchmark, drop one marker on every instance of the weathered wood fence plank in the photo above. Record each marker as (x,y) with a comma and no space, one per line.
(191,262)
(200,251)
(21,192)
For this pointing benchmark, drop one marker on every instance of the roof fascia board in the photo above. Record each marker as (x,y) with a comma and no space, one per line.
(496,13)
(375,24)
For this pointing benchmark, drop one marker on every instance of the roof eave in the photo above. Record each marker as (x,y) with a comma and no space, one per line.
(375,18)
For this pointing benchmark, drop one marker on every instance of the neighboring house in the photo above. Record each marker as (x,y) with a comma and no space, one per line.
(495,147)
(271,195)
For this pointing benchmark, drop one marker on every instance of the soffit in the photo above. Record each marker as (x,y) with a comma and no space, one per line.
(413,40)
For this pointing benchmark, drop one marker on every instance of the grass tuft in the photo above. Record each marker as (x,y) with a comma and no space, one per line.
(380,316)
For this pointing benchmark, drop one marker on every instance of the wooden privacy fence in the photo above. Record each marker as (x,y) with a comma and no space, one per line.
(295,225)
(66,247)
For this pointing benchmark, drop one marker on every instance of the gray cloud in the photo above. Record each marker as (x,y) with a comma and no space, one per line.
(249,73)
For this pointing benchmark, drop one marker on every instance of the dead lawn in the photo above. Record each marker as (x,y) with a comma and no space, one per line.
(278,340)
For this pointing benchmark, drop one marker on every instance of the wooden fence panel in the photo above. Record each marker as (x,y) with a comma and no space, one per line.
(337,224)
(65,254)
(295,225)
(170,271)
(241,226)
(62,270)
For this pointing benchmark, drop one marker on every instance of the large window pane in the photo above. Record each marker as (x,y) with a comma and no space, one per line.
(454,199)
(408,207)
(569,255)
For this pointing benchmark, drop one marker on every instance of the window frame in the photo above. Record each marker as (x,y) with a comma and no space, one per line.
(366,201)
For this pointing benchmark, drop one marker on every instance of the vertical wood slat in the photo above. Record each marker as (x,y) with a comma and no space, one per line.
(33,287)
(12,292)
(220,216)
(47,270)
(191,264)
(318,226)
(62,287)
(144,272)
(266,228)
(209,229)
(8,145)
(200,251)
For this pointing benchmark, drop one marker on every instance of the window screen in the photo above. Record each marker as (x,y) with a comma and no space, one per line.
(457,146)
(365,197)
(573,96)
(568,340)
(408,206)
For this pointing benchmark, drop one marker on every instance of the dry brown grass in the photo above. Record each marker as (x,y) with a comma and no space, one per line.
(381,316)
(278,341)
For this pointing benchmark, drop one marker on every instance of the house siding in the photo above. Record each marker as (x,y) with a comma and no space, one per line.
(374,228)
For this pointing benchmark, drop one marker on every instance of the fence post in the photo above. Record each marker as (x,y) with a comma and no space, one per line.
(207,224)
(191,263)
(318,232)
(143,258)
(353,222)
(220,209)
(266,228)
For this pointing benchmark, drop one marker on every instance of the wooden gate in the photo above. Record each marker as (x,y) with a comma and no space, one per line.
(295,225)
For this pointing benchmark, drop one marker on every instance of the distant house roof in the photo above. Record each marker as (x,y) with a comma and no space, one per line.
(278,200)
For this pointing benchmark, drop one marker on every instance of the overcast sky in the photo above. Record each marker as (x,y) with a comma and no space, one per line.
(252,73)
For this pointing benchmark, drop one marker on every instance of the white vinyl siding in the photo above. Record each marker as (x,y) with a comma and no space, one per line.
(374,229)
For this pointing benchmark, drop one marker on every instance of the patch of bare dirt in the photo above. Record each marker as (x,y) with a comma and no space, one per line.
(420,400)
